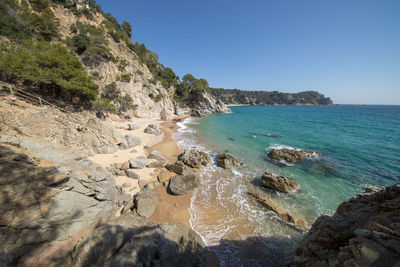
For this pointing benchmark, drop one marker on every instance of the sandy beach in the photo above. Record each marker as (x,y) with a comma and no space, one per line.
(171,208)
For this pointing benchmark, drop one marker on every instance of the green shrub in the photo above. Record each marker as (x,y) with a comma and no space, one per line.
(125,103)
(158,97)
(125,77)
(39,5)
(104,105)
(94,55)
(10,23)
(96,75)
(126,26)
(152,81)
(139,72)
(111,92)
(46,64)
(122,64)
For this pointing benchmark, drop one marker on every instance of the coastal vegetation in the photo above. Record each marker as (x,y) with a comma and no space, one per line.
(244,97)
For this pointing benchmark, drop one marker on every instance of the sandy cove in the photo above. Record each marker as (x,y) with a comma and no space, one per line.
(171,208)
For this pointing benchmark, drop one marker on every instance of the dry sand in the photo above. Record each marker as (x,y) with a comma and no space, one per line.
(171,208)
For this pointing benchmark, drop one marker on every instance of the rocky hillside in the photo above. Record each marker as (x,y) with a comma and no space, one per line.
(236,96)
(73,51)
(364,231)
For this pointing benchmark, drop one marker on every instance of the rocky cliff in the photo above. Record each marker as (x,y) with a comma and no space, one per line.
(119,66)
(364,231)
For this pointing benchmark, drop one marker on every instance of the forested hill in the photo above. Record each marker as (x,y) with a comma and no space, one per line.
(236,96)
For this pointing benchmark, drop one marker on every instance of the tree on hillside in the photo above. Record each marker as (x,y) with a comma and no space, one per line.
(126,26)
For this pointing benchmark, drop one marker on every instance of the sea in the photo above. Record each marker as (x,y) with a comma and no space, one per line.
(360,147)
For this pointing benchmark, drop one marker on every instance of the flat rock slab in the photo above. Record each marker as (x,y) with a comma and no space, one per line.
(156,155)
(280,211)
(146,203)
(138,162)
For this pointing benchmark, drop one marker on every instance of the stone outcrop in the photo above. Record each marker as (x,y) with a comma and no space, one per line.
(282,213)
(364,231)
(194,158)
(41,204)
(291,155)
(146,203)
(279,183)
(137,162)
(226,161)
(132,140)
(152,129)
(179,168)
(204,103)
(156,155)
(183,184)
(133,126)
(132,241)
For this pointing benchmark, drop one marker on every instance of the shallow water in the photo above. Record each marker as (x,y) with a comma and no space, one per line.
(360,146)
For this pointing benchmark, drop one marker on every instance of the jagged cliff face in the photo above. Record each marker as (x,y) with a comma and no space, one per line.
(142,87)
(364,231)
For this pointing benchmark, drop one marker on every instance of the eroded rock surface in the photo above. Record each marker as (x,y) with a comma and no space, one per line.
(42,204)
(364,231)
(226,161)
(195,158)
(152,129)
(146,203)
(291,155)
(279,183)
(183,184)
(280,211)
(132,241)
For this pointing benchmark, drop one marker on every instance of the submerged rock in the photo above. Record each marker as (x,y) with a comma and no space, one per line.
(279,183)
(280,211)
(364,231)
(146,203)
(291,155)
(183,184)
(195,158)
(226,161)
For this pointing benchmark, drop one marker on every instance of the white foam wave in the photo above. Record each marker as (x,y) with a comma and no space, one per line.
(280,146)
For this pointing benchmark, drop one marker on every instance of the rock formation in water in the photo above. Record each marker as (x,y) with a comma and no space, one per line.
(364,231)
(291,155)
(226,161)
(282,213)
(279,183)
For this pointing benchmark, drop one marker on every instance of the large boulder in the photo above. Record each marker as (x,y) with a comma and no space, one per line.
(364,231)
(291,155)
(282,213)
(137,162)
(226,161)
(132,140)
(39,205)
(195,158)
(133,241)
(132,127)
(179,168)
(279,183)
(146,203)
(183,184)
(152,129)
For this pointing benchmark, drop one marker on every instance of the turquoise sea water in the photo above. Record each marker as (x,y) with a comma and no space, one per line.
(360,146)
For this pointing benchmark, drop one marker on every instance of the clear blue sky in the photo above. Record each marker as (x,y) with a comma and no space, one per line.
(346,49)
